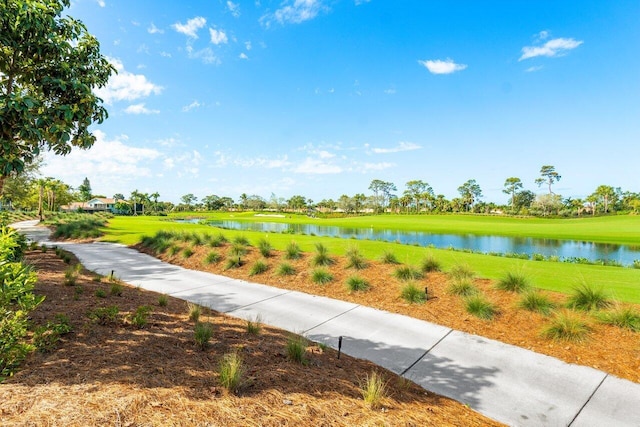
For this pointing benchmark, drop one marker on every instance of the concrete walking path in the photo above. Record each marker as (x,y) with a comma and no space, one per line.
(504,382)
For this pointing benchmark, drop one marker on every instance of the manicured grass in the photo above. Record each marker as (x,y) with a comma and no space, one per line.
(622,283)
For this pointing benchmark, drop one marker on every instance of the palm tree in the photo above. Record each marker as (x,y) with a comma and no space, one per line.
(155,196)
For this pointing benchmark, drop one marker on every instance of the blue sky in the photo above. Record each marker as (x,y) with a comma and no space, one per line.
(320,97)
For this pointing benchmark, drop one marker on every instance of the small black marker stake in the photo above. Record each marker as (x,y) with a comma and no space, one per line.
(339,345)
(426,293)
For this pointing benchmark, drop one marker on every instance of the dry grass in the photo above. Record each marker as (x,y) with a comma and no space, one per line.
(121,375)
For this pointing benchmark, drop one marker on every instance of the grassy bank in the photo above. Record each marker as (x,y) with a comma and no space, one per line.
(622,283)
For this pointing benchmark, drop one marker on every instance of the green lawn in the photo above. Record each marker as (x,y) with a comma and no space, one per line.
(622,283)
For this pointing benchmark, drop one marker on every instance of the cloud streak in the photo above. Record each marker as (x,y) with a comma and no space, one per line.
(294,12)
(555,47)
(191,28)
(402,146)
(438,66)
(126,86)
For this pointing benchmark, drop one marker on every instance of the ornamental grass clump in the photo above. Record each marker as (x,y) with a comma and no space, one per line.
(461,271)
(233,262)
(513,281)
(230,372)
(237,250)
(241,240)
(71,274)
(355,259)
(265,247)
(212,257)
(407,273)
(297,349)
(321,276)
(357,284)
(587,298)
(567,325)
(140,316)
(622,317)
(413,294)
(194,311)
(217,240)
(389,257)
(462,288)
(285,269)
(430,264)
(187,252)
(258,267)
(202,333)
(479,306)
(254,326)
(533,300)
(373,390)
(321,257)
(292,251)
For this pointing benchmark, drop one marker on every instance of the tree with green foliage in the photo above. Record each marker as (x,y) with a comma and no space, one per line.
(189,200)
(85,190)
(470,192)
(419,191)
(297,203)
(511,187)
(548,176)
(212,202)
(381,193)
(49,68)
(606,196)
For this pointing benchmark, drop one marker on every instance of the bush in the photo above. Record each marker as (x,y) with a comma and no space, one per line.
(258,267)
(297,349)
(356,283)
(100,293)
(202,333)
(173,250)
(412,294)
(230,372)
(513,281)
(292,251)
(567,326)
(536,301)
(163,300)
(462,287)
(81,227)
(355,259)
(241,240)
(622,317)
(194,311)
(285,269)
(461,271)
(430,264)
(105,315)
(587,298)
(217,240)
(254,326)
(321,257)
(187,252)
(321,276)
(139,317)
(407,273)
(388,257)
(45,338)
(374,390)
(481,307)
(116,289)
(264,247)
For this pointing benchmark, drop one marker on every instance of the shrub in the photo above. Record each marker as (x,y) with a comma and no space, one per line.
(264,247)
(461,271)
(105,315)
(297,349)
(71,274)
(321,257)
(194,311)
(212,257)
(567,326)
(217,240)
(173,250)
(585,297)
(513,281)
(321,276)
(388,257)
(258,267)
(230,372)
(462,287)
(285,269)
(100,293)
(233,262)
(622,317)
(292,251)
(139,317)
(163,300)
(412,294)
(254,326)
(430,264)
(202,333)
(237,250)
(374,390)
(481,307)
(355,259)
(407,273)
(536,301)
(45,338)
(356,283)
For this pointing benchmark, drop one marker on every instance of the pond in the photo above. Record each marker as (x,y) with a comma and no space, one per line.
(530,247)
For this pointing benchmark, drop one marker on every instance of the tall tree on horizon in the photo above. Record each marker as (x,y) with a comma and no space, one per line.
(548,176)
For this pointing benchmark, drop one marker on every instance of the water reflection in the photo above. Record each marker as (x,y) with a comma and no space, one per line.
(562,249)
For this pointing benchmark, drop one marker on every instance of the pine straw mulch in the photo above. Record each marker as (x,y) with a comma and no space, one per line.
(607,348)
(123,375)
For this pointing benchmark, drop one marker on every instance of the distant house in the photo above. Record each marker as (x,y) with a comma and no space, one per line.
(97,204)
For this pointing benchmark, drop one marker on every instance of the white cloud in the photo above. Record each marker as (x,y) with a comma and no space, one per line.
(294,13)
(243,56)
(101,3)
(359,2)
(104,161)
(376,166)
(438,66)
(194,104)
(191,27)
(126,86)
(247,45)
(390,91)
(555,47)
(316,167)
(234,8)
(165,54)
(154,30)
(402,146)
(263,162)
(218,37)
(534,69)
(206,55)
(542,35)
(139,109)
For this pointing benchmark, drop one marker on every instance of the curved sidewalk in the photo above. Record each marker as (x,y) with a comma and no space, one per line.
(507,383)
